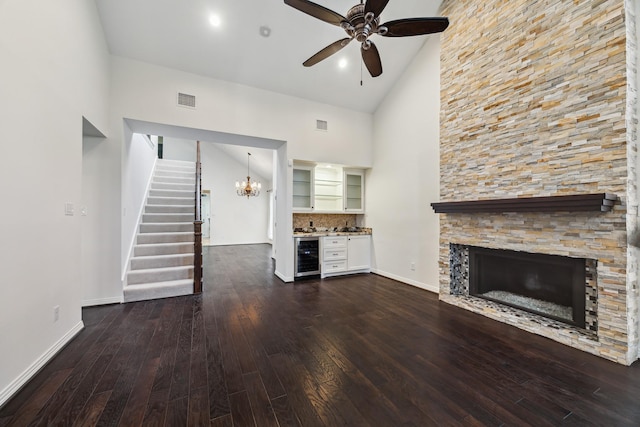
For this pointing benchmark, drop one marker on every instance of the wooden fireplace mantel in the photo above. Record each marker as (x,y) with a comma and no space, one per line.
(599,202)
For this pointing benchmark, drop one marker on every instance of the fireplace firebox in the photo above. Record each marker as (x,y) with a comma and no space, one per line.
(549,285)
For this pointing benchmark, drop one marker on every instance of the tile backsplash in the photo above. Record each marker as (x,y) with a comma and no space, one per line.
(301,220)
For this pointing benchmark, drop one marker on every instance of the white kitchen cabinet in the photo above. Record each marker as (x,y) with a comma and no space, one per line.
(334,255)
(303,186)
(359,253)
(353,191)
(328,188)
(346,254)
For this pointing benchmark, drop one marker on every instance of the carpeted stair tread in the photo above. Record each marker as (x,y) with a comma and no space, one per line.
(171,288)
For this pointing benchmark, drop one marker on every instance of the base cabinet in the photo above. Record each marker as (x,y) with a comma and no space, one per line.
(334,255)
(345,255)
(359,253)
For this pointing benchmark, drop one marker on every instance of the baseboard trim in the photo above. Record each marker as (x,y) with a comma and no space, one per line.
(426,287)
(283,277)
(102,301)
(15,386)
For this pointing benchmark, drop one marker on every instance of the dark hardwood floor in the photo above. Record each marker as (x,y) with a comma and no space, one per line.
(353,351)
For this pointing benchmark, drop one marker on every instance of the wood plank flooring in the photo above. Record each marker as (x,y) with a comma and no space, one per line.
(352,351)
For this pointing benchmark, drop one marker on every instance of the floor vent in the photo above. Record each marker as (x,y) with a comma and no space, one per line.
(185,100)
(322,125)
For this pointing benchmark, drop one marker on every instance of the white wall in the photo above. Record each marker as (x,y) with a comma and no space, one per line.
(405,175)
(179,149)
(148,93)
(138,162)
(101,282)
(234,220)
(54,72)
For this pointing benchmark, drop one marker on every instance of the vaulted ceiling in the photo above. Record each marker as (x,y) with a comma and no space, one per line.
(178,34)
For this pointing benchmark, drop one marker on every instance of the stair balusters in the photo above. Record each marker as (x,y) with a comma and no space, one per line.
(197,227)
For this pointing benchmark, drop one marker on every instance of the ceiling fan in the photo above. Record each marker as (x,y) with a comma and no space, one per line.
(362,21)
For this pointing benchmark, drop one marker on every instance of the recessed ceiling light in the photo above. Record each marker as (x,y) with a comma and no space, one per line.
(343,63)
(215,20)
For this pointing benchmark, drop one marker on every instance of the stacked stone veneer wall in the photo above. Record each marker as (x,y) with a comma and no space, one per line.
(535,103)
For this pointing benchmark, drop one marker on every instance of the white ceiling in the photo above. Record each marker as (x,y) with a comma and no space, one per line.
(177,34)
(261,163)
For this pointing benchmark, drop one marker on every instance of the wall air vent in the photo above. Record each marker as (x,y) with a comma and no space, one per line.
(322,125)
(185,100)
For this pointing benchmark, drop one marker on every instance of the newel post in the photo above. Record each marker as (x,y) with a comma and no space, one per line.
(197,227)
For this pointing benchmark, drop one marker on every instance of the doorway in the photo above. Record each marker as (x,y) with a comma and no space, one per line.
(206,216)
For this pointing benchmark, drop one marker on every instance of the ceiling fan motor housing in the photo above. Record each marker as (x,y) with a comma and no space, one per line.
(360,25)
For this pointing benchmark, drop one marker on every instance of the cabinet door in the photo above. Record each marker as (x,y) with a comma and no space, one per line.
(359,253)
(328,188)
(302,189)
(354,191)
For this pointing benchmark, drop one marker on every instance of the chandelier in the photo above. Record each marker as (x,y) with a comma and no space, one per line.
(248,188)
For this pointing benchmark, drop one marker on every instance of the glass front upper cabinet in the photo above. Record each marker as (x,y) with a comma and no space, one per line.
(354,191)
(303,188)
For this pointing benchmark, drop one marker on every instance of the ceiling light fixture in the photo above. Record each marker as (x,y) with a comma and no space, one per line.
(342,64)
(215,21)
(248,188)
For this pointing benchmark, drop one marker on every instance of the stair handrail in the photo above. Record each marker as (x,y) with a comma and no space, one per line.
(197,227)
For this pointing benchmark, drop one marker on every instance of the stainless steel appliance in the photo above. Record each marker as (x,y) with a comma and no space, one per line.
(307,259)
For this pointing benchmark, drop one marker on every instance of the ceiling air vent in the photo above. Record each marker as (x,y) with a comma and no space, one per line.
(185,100)
(322,125)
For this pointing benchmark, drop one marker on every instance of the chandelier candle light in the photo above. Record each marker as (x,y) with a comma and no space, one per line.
(248,188)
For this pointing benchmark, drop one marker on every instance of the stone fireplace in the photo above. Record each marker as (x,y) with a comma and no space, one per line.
(537,104)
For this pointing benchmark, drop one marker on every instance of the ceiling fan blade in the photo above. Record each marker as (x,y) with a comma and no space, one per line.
(317,11)
(326,52)
(415,26)
(371,59)
(375,6)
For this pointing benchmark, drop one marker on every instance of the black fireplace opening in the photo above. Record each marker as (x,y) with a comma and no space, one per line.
(549,285)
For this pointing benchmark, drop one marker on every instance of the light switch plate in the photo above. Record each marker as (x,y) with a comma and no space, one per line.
(68,209)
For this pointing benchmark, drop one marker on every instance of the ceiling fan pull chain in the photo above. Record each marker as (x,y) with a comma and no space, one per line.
(360,71)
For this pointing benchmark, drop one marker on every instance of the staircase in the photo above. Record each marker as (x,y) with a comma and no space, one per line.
(163,257)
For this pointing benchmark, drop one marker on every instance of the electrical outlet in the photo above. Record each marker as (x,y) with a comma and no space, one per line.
(56,313)
(412,266)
